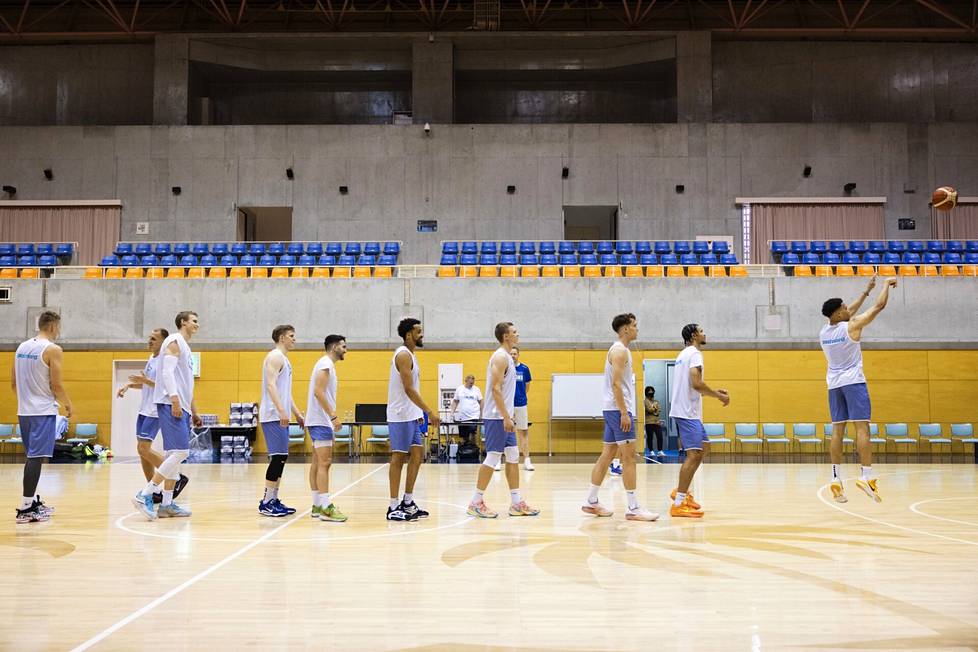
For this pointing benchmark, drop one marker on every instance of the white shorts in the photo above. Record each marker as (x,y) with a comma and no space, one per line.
(520,418)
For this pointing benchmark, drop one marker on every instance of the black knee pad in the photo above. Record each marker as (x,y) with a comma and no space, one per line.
(276,466)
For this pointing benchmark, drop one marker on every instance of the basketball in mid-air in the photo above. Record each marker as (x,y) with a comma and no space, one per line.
(944,198)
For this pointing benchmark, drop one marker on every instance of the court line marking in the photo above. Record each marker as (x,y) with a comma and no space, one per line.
(833,505)
(204,573)
(913,508)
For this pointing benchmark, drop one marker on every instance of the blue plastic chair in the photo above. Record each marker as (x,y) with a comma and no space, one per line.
(877,246)
(491,248)
(528,248)
(326,260)
(661,247)
(8,261)
(26,261)
(790,258)
(294,249)
(916,246)
(955,246)
(449,259)
(891,259)
(25,249)
(689,259)
(220,249)
(774,433)
(449,248)
(896,246)
(830,258)
(387,260)
(7,249)
(746,433)
(529,259)
(607,259)
(648,259)
(709,259)
(248,260)
(353,249)
(267,260)
(488,259)
(868,258)
(668,259)
(838,247)
(971,246)
(305,260)
(643,247)
(605,247)
(168,261)
(507,259)
(256,249)
(681,247)
(188,260)
(346,260)
(227,260)
(123,249)
(276,249)
(799,247)
(67,250)
(200,249)
(286,260)
(589,259)
(239,248)
(952,258)
(547,249)
(48,261)
(314,249)
(181,249)
(109,261)
(585,247)
(728,259)
(721,247)
(857,246)
(818,247)
(928,258)
(334,249)
(935,246)
(371,248)
(366,260)
(571,259)
(779,247)
(392,249)
(470,247)
(623,247)
(628,259)
(565,248)
(162,249)
(469,259)
(149,260)
(701,247)
(811,259)
(208,260)
(44,249)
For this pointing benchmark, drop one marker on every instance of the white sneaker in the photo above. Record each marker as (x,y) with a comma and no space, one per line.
(661,454)
(528,465)
(641,514)
(498,466)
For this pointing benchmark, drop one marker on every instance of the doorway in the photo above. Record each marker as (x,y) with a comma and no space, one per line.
(590,223)
(126,409)
(264,224)
(658,374)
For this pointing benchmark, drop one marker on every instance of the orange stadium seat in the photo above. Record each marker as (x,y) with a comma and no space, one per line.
(90,272)
(803,270)
(612,271)
(969,270)
(633,271)
(341,272)
(653,271)
(508,271)
(30,272)
(280,272)
(950,270)
(468,271)
(259,272)
(447,271)
(529,271)
(155,272)
(488,271)
(844,270)
(571,271)
(695,271)
(323,272)
(823,270)
(550,271)
(674,271)
(134,272)
(239,272)
(196,272)
(300,272)
(361,271)
(592,271)
(175,272)
(886,270)
(8,272)
(112,272)
(908,270)
(217,272)
(929,270)
(718,271)
(865,270)
(738,271)
(384,272)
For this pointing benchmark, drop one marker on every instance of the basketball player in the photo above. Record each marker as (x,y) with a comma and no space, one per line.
(322,422)
(498,425)
(36,380)
(175,407)
(619,423)
(848,396)
(686,409)
(521,414)
(147,422)
(273,413)
(405,410)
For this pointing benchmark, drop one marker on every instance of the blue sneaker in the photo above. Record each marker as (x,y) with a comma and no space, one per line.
(173,511)
(615,470)
(144,504)
(269,508)
(282,506)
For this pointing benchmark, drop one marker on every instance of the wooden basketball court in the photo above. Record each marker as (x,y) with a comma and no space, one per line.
(774,565)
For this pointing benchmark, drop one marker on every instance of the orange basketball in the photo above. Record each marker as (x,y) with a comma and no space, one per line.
(944,198)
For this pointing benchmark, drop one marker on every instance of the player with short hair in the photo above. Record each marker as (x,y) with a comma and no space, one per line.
(322,421)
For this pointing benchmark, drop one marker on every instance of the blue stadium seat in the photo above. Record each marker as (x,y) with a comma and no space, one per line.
(227,260)
(689,259)
(49,261)
(896,246)
(790,258)
(952,258)
(669,259)
(643,247)
(914,259)
(661,247)
(971,258)
(818,247)
(507,247)
(585,247)
(469,259)
(831,258)
(811,259)
(867,259)
(547,249)
(248,260)
(200,249)
(857,246)
(529,259)
(346,260)
(721,247)
(623,247)
(26,261)
(565,248)
(286,260)
(507,259)
(7,249)
(628,259)
(838,247)
(25,249)
(392,249)
(952,245)
(334,248)
(168,261)
(648,259)
(256,249)
(275,249)
(890,259)
(181,249)
(65,250)
(589,259)
(877,246)
(935,246)
(971,246)
(188,260)
(470,247)
(490,248)
(314,248)
(799,247)
(488,259)
(449,259)
(709,259)
(305,260)
(208,260)
(326,260)
(779,247)
(605,247)
(239,248)
(267,260)
(8,261)
(352,249)
(366,260)
(450,248)
(371,248)
(571,259)
(123,249)
(701,247)
(728,259)
(149,260)
(608,259)
(681,247)
(387,260)
(295,249)
(528,248)
(916,246)
(109,261)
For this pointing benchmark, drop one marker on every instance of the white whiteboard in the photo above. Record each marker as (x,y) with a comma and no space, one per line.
(577,395)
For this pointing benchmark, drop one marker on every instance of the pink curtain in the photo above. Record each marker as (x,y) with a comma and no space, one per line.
(811,222)
(959,223)
(94,228)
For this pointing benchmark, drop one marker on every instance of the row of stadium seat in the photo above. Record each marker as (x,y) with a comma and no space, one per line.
(620,247)
(258,248)
(881,270)
(873,246)
(888,258)
(238,272)
(60,249)
(209,260)
(588,259)
(47,260)
(806,433)
(12,272)
(590,271)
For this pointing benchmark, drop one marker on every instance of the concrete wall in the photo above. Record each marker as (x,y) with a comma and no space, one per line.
(461,313)
(76,85)
(458,175)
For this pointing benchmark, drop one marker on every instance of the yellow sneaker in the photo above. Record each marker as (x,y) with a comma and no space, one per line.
(684,511)
(869,487)
(838,494)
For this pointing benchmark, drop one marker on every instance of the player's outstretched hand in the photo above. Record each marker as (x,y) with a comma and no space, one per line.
(872,284)
(892,282)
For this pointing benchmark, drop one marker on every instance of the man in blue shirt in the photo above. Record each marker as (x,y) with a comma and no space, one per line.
(522,423)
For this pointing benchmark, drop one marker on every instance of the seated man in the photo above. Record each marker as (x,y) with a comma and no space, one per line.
(466,407)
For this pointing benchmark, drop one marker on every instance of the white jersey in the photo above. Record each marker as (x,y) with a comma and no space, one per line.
(844,355)
(508,387)
(315,414)
(283,385)
(147,406)
(686,402)
(34,395)
(468,402)
(399,407)
(627,384)
(183,374)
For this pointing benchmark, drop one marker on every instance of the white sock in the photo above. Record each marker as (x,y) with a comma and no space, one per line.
(867,473)
(26,501)
(325,500)
(394,503)
(592,496)
(167,497)
(408,498)
(514,496)
(680,499)
(835,471)
(632,500)
(477,496)
(315,498)
(616,462)
(526,460)
(271,493)
(151,489)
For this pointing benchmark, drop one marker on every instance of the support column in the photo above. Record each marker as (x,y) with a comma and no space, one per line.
(433,81)
(694,77)
(171,76)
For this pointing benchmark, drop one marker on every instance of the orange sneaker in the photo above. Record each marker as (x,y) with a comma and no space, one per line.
(684,511)
(869,487)
(689,499)
(838,494)
(596,509)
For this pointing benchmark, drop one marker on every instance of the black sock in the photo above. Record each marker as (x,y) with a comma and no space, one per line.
(32,475)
